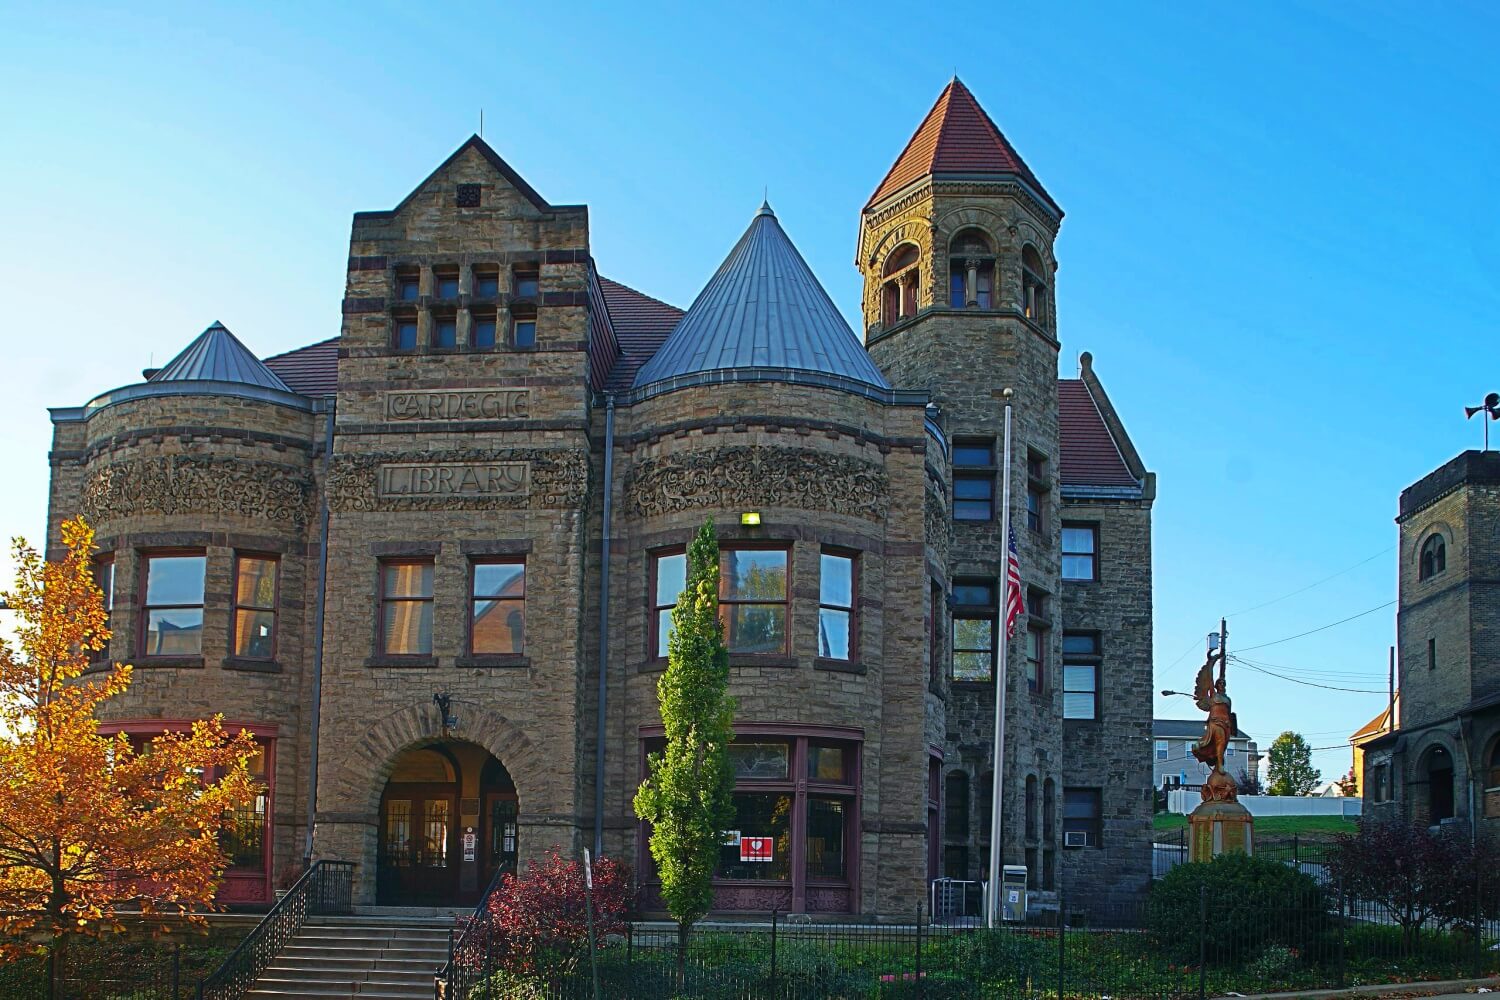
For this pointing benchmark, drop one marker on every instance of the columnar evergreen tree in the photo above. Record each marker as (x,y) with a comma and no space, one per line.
(1291,771)
(91,825)
(687,796)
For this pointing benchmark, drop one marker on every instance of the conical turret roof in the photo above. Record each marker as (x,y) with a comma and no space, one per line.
(218,356)
(765,311)
(957,138)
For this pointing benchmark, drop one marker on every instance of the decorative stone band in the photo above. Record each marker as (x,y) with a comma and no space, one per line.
(752,476)
(191,484)
(459,479)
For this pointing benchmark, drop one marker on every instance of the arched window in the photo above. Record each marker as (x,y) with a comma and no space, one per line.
(956,805)
(1434,557)
(899,284)
(1049,806)
(971,271)
(1033,286)
(1031,810)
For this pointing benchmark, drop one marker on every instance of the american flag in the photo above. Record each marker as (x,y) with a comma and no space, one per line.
(1015,604)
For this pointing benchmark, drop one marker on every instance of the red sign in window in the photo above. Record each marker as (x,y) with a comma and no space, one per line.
(756,848)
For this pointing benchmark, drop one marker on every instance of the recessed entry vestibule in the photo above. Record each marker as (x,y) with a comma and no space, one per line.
(447,826)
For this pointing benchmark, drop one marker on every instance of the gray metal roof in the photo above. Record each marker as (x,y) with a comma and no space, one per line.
(218,356)
(763,310)
(1181,729)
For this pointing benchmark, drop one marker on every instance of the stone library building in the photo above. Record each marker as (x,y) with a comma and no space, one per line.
(429,562)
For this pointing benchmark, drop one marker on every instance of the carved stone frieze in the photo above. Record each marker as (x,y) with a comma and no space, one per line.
(531,478)
(201,485)
(753,476)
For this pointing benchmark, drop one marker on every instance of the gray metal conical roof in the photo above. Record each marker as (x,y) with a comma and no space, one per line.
(218,356)
(763,310)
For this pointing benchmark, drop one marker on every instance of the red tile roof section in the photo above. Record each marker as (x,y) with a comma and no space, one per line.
(312,370)
(1089,455)
(641,326)
(957,137)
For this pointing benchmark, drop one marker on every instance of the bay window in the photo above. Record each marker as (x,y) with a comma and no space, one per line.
(836,634)
(753,599)
(794,833)
(255,580)
(172,613)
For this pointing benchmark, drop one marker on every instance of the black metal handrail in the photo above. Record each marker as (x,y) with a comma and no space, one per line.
(470,954)
(325,888)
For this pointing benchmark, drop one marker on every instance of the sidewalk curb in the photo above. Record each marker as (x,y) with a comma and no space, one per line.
(1432,988)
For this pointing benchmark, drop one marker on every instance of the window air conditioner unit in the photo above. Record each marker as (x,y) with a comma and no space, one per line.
(1075,838)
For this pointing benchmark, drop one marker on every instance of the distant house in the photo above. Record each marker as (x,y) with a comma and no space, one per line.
(1172,761)
(1376,727)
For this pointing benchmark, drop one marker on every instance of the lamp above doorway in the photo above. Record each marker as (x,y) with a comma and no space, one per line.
(444,702)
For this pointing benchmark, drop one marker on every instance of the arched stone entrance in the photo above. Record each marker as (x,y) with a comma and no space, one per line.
(447,825)
(1435,774)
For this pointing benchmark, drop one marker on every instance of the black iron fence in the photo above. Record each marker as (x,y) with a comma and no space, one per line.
(325,888)
(1076,951)
(107,967)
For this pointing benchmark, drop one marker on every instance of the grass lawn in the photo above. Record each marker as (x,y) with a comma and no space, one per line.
(1277,827)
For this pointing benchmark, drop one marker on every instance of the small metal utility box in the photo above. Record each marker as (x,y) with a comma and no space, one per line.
(1013,894)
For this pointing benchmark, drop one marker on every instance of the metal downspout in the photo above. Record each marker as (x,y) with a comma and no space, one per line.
(317,689)
(609,472)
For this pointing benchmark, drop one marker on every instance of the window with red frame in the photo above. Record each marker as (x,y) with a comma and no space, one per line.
(255,593)
(497,606)
(836,618)
(172,612)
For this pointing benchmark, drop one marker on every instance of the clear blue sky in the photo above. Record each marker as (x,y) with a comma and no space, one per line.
(1281,242)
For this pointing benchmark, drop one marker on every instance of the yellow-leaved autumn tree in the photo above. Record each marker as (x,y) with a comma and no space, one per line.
(92,829)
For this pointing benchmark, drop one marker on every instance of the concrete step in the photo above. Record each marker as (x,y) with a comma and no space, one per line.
(306,949)
(376,957)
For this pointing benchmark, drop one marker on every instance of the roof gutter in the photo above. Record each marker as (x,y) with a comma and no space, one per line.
(317,680)
(603,698)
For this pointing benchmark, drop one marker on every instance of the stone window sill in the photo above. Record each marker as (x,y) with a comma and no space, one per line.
(761,660)
(491,660)
(839,666)
(178,662)
(254,666)
(401,661)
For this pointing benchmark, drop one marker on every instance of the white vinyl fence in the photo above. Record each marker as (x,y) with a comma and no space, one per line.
(1184,800)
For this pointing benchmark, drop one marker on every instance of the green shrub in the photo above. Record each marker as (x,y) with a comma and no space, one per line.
(1252,903)
(1274,965)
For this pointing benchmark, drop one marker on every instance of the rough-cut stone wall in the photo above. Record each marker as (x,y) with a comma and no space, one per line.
(420,470)
(822,468)
(1111,753)
(222,476)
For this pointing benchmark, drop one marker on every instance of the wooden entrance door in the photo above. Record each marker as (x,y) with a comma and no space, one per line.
(499,838)
(419,855)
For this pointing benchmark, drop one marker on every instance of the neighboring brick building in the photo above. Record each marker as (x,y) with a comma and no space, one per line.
(318,545)
(1441,763)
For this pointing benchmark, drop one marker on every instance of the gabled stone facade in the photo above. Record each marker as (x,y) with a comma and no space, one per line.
(415,556)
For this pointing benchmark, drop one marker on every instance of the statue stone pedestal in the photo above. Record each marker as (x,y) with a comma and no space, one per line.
(1220,827)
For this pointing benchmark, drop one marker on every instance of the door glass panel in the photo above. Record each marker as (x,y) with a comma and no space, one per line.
(397,833)
(435,835)
(503,835)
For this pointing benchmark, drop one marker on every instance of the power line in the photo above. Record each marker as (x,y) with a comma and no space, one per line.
(1310,586)
(1295,680)
(1320,674)
(1299,635)
(1191,646)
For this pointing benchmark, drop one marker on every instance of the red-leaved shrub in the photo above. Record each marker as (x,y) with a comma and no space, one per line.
(539,920)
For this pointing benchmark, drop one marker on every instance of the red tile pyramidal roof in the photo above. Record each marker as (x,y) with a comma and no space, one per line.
(957,137)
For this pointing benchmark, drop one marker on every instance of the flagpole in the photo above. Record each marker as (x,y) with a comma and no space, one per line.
(997,790)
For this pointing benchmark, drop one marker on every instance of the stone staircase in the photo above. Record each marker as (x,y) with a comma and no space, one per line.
(374,957)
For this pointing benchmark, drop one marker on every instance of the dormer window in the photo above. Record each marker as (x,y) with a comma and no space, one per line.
(899,285)
(971,271)
(1033,286)
(1434,557)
